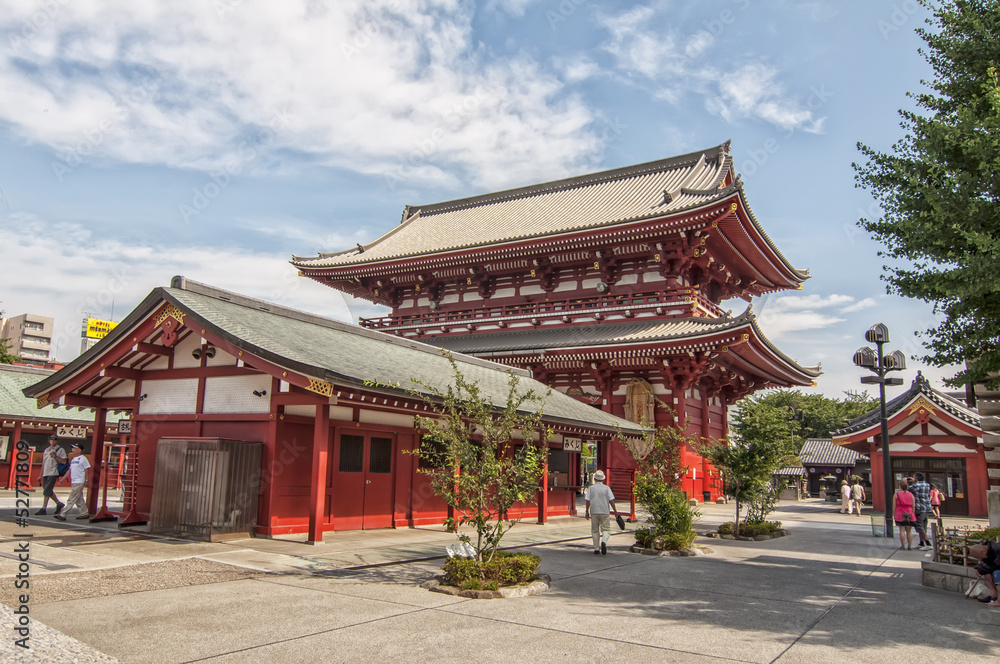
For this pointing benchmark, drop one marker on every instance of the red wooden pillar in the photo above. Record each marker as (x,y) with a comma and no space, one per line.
(706,402)
(16,436)
(96,458)
(317,483)
(543,499)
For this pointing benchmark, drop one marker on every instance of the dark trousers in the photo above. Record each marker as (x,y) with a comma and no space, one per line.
(921,526)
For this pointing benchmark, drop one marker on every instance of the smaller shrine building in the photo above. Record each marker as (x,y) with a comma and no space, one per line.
(931,433)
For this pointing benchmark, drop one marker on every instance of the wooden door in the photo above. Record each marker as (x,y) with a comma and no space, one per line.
(362,481)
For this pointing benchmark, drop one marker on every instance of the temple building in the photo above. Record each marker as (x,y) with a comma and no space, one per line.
(930,433)
(245,416)
(608,287)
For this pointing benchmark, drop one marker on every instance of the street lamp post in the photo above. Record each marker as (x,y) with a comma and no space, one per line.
(880,365)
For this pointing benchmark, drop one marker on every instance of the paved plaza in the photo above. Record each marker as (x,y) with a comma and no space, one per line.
(828,592)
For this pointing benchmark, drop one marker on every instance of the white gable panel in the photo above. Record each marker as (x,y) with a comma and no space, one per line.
(168,397)
(235,394)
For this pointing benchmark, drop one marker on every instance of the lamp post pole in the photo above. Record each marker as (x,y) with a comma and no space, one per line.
(881,364)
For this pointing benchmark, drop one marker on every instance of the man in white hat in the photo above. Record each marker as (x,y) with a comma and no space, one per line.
(600,503)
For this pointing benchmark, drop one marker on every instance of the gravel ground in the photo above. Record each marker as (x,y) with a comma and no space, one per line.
(45,645)
(58,587)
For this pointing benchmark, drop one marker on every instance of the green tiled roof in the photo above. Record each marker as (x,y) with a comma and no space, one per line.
(14,405)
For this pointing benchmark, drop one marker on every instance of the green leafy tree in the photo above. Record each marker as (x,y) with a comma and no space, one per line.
(657,483)
(748,461)
(483,458)
(939,189)
(807,415)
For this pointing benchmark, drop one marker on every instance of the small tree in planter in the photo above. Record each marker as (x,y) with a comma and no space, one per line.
(657,487)
(473,462)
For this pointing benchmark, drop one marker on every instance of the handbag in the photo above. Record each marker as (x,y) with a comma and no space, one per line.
(620,521)
(61,468)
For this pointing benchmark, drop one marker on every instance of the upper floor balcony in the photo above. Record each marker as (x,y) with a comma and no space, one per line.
(689,302)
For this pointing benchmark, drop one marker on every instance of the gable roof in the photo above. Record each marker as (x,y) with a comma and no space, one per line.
(920,387)
(326,350)
(822,452)
(644,191)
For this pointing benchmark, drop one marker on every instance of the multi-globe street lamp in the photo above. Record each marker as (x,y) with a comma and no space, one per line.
(880,365)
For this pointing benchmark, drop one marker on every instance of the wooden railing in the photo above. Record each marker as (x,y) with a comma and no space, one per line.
(632,303)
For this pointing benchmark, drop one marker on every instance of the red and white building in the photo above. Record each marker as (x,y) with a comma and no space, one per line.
(929,432)
(605,286)
(330,405)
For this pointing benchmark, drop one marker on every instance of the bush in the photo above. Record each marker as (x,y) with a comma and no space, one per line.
(678,541)
(506,569)
(669,509)
(990,534)
(750,529)
(665,542)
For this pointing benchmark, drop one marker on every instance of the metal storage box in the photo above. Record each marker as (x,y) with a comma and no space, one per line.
(205,488)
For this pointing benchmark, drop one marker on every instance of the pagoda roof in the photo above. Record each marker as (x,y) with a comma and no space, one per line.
(650,191)
(677,334)
(867,424)
(313,347)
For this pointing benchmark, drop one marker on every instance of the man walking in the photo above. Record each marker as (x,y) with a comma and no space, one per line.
(921,491)
(52,456)
(857,496)
(845,497)
(79,473)
(600,502)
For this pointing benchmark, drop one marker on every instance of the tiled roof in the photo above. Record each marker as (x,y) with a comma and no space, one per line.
(919,387)
(333,351)
(790,471)
(585,335)
(619,334)
(650,190)
(14,405)
(822,452)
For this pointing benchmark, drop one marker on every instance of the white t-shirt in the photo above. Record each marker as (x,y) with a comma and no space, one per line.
(600,497)
(78,469)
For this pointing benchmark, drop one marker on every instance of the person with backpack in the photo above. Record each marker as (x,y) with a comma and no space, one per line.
(52,457)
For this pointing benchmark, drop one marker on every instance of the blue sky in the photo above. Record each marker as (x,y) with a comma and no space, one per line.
(216,138)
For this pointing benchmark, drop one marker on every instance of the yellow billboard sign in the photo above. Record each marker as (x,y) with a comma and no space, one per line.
(98,329)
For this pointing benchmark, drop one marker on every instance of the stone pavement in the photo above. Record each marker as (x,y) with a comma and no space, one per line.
(827,592)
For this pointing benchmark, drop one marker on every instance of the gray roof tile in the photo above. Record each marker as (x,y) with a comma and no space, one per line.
(822,452)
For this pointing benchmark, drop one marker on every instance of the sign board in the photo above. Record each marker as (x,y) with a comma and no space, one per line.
(124,426)
(4,442)
(97,329)
(572,444)
(71,432)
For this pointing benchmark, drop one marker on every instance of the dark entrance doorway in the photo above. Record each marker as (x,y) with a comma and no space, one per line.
(947,474)
(361,481)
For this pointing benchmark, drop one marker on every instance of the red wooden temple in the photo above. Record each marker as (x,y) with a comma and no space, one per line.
(606,287)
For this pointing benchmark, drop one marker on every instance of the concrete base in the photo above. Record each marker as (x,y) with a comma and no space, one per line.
(993,507)
(953,578)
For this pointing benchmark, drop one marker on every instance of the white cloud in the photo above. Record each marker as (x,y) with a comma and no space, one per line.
(753,91)
(378,87)
(647,47)
(65,271)
(858,306)
(800,302)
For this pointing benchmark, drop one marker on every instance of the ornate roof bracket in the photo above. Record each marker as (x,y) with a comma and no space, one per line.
(546,273)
